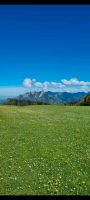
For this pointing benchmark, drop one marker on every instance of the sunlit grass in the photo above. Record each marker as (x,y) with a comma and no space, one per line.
(45,150)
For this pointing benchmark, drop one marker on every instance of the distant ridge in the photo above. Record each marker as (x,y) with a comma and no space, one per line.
(49,97)
(52,97)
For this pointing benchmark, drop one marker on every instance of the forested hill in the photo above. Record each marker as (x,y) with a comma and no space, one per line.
(85,101)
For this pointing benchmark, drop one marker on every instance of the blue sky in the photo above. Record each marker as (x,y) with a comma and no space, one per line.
(49,43)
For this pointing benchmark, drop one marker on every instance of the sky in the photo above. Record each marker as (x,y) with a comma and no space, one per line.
(44,47)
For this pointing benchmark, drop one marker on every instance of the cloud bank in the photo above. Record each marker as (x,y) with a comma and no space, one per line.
(72,85)
(32,84)
(75,81)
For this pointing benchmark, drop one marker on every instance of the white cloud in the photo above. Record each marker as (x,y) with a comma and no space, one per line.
(27,83)
(72,81)
(57,85)
(85,88)
(72,85)
(83,83)
(46,84)
(75,81)
(38,84)
(33,84)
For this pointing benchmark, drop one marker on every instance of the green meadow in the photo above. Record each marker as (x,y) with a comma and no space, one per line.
(45,150)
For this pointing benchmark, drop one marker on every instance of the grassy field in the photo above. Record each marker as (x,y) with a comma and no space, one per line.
(45,150)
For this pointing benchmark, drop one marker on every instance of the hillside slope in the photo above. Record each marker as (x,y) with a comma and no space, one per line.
(85,101)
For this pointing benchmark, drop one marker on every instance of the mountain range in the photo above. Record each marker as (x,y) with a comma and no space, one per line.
(52,97)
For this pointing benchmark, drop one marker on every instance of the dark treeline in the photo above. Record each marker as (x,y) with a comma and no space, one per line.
(18,102)
(70,104)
